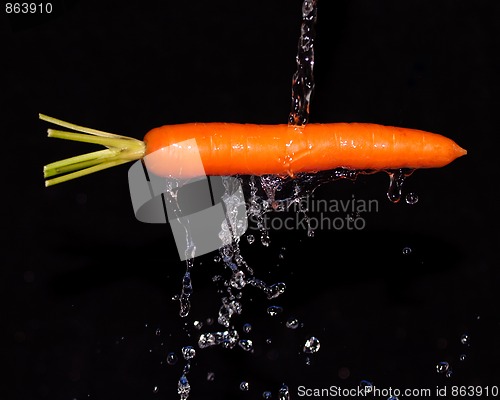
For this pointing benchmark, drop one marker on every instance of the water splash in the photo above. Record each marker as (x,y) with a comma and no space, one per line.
(170,196)
(183,387)
(267,194)
(228,339)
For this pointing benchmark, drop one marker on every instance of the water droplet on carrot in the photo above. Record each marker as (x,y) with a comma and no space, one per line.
(396,181)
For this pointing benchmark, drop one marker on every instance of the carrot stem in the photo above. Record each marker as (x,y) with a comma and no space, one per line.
(120,150)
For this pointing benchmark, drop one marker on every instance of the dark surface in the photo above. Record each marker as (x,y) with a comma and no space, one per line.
(85,285)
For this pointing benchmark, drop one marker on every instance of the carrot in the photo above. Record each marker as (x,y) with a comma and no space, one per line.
(229,149)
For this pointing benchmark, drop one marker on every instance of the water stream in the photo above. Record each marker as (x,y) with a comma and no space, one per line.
(266,194)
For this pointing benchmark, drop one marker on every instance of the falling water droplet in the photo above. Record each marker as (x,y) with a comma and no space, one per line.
(171,358)
(198,325)
(226,339)
(312,345)
(449,373)
(158,332)
(462,357)
(246,344)
(284,393)
(188,352)
(442,367)
(183,387)
(250,238)
(367,386)
(406,251)
(265,239)
(292,323)
(155,389)
(273,311)
(244,386)
(238,280)
(247,328)
(411,198)
(210,376)
(267,395)
(275,290)
(396,181)
(187,291)
(464,339)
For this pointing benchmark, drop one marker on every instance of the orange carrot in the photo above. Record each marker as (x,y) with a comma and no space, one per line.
(229,149)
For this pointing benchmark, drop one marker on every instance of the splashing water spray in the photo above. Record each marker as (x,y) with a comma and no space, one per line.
(267,193)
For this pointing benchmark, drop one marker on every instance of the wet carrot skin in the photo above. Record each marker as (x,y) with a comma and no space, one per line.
(229,148)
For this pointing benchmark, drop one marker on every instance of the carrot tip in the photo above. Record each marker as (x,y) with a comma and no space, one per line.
(460,151)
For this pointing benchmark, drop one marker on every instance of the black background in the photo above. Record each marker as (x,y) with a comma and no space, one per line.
(86,285)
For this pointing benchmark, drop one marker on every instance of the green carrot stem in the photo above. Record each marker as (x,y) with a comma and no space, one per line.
(120,150)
